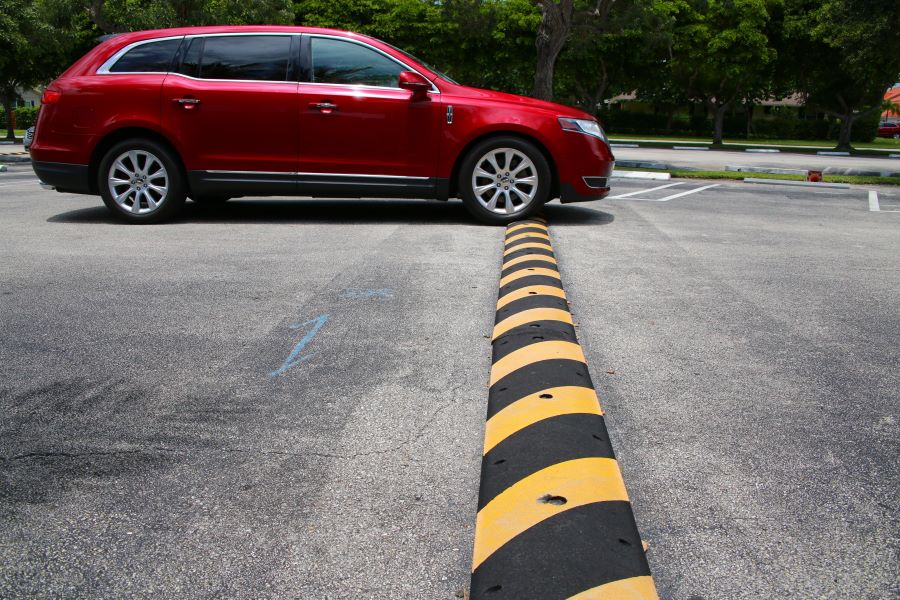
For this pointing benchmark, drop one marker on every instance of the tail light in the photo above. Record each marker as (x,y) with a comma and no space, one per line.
(50,97)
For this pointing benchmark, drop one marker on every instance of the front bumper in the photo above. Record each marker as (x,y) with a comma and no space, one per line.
(74,179)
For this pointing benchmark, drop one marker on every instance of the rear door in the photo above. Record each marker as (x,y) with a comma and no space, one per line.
(356,120)
(232,105)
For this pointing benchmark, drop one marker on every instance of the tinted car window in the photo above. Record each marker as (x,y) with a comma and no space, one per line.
(191,61)
(336,61)
(153,57)
(255,57)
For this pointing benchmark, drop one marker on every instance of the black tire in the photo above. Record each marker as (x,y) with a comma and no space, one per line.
(166,206)
(476,205)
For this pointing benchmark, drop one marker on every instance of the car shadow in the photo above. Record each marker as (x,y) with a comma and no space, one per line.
(333,211)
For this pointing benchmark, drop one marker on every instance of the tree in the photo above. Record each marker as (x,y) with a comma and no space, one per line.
(116,16)
(556,23)
(30,51)
(721,52)
(844,56)
(613,52)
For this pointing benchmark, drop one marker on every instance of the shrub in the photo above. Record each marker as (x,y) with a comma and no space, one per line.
(735,126)
(26,117)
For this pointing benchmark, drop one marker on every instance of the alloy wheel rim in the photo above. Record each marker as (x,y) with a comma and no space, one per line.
(505,181)
(138,182)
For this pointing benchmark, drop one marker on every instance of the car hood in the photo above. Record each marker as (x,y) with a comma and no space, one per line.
(522,101)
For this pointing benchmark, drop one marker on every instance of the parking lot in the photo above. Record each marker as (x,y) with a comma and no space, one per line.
(286,397)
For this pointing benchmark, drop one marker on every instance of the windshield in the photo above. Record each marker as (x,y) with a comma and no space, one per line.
(423,63)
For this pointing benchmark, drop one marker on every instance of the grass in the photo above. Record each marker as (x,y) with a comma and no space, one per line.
(19,133)
(879,143)
(855,179)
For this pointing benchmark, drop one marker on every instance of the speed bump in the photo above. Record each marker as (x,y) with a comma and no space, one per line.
(554,518)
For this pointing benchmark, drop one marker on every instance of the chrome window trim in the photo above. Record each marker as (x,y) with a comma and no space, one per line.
(282,82)
(434,88)
(104,69)
(299,174)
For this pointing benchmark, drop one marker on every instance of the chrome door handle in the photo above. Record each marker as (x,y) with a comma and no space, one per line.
(324,106)
(187,103)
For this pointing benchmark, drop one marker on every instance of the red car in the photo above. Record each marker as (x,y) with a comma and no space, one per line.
(149,118)
(889,130)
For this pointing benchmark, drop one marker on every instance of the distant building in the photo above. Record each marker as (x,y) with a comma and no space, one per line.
(893,95)
(30,98)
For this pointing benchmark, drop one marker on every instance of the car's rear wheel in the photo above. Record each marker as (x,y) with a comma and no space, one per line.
(141,181)
(504,179)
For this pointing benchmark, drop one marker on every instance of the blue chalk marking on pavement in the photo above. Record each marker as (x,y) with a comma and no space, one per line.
(294,357)
(355,293)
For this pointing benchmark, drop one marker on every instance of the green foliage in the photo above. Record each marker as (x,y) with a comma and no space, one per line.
(484,43)
(843,54)
(25,117)
(134,15)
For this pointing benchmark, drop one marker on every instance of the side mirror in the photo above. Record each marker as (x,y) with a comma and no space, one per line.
(412,81)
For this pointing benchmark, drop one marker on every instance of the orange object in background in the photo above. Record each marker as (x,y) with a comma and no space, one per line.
(814,175)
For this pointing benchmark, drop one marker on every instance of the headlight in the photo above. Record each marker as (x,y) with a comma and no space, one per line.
(588,126)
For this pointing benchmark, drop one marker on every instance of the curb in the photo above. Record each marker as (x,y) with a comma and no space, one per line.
(640,175)
(23,157)
(554,519)
(818,184)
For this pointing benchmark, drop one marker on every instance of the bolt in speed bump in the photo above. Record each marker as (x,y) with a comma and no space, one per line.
(554,518)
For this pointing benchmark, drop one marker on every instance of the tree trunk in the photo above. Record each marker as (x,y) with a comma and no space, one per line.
(749,119)
(670,115)
(719,123)
(556,22)
(8,108)
(843,144)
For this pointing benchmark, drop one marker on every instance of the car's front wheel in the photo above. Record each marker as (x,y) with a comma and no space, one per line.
(504,179)
(141,181)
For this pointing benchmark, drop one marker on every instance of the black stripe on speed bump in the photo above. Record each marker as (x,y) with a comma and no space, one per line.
(525,335)
(542,445)
(528,302)
(529,264)
(524,251)
(564,555)
(527,240)
(527,230)
(534,378)
(529,280)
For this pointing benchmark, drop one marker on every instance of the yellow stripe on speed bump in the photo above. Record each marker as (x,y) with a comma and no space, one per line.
(542,495)
(525,258)
(528,273)
(529,316)
(529,234)
(551,402)
(515,228)
(531,290)
(532,353)
(633,588)
(544,246)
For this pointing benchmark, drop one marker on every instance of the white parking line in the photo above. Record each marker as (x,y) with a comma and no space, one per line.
(875,205)
(662,187)
(694,191)
(873,201)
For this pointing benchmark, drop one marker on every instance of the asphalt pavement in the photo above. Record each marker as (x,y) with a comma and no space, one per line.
(286,397)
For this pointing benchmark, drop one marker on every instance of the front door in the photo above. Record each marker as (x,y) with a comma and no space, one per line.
(356,120)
